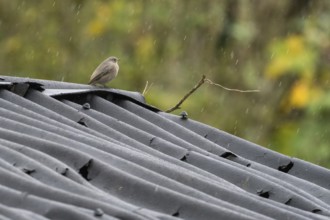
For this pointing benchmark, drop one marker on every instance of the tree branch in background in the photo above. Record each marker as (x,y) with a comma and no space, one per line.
(228,89)
(201,82)
(177,106)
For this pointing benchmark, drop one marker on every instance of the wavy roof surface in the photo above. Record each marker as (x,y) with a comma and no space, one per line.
(72,151)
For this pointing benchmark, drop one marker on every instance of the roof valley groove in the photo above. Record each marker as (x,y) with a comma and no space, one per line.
(80,152)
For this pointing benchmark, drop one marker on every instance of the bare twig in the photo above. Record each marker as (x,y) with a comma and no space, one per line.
(146,88)
(228,89)
(201,82)
(177,106)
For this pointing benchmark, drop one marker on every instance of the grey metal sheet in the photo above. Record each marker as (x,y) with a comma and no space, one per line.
(72,151)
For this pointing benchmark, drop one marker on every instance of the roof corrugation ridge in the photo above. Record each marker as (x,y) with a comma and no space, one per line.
(157,165)
(299,168)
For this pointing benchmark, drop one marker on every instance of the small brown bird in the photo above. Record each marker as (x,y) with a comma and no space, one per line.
(105,72)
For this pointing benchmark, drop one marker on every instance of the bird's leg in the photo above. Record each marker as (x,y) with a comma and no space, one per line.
(100,85)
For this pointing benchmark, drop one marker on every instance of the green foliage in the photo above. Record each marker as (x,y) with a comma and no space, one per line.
(274,46)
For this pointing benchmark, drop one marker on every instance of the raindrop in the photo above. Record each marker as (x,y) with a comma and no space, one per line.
(272,55)
(232,55)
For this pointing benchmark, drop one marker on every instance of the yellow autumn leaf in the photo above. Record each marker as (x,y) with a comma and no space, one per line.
(295,45)
(12,45)
(98,25)
(299,95)
(95,28)
(290,55)
(145,47)
(278,67)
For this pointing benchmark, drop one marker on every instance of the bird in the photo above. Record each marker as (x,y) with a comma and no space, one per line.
(105,72)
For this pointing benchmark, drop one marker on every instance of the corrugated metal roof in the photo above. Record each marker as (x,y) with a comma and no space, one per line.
(71,151)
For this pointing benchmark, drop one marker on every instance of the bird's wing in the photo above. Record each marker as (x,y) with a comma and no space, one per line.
(100,71)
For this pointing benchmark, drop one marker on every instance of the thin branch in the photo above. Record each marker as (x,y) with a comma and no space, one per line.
(151,84)
(177,106)
(228,89)
(201,82)
(146,88)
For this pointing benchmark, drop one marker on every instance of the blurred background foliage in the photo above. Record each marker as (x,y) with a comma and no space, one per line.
(281,48)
